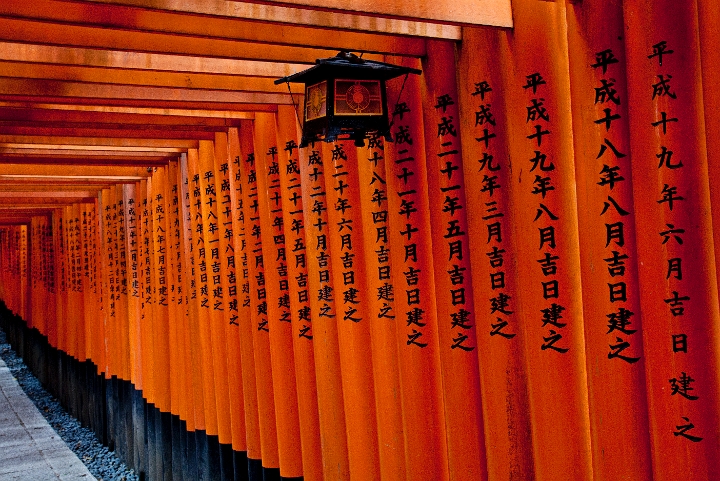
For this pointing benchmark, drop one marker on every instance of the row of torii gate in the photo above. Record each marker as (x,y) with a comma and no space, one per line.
(521,285)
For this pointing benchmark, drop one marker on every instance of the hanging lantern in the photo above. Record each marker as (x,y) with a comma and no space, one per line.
(345,98)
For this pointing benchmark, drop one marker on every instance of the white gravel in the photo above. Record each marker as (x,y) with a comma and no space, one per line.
(102,463)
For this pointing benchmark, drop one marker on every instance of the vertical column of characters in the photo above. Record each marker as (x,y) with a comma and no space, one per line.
(674,236)
(24,272)
(11,266)
(216,295)
(104,218)
(132,280)
(122,289)
(48,263)
(487,178)
(264,382)
(373,212)
(72,298)
(100,313)
(412,271)
(229,286)
(535,64)
(112,263)
(299,293)
(251,441)
(606,215)
(277,289)
(88,296)
(352,310)
(179,388)
(149,289)
(157,242)
(78,291)
(146,311)
(118,275)
(190,325)
(59,334)
(453,279)
(201,293)
(331,408)
(4,265)
(35,282)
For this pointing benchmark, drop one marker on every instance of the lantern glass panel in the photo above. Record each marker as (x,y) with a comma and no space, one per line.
(358,97)
(315,101)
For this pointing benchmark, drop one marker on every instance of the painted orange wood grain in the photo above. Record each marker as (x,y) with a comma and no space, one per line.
(264,381)
(299,300)
(595,35)
(331,410)
(415,306)
(671,189)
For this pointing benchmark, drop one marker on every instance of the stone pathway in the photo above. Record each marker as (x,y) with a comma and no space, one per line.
(30,450)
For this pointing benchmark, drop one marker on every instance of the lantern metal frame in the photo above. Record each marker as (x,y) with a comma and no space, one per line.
(364,83)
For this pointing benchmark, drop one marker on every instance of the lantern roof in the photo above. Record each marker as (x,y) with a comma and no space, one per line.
(347,65)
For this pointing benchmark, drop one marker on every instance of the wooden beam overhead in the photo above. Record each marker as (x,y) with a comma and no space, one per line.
(44,33)
(191,24)
(99,141)
(112,120)
(26,52)
(46,200)
(149,78)
(37,87)
(90,149)
(74,153)
(66,171)
(276,12)
(120,134)
(222,114)
(82,160)
(47,195)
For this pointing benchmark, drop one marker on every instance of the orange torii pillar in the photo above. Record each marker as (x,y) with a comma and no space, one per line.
(500,336)
(299,294)
(536,86)
(410,254)
(606,217)
(671,187)
(331,411)
(245,326)
(264,382)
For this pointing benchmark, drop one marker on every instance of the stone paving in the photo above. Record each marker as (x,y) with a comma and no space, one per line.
(30,450)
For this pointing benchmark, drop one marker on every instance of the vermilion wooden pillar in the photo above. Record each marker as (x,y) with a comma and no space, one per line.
(245,327)
(200,324)
(264,381)
(229,286)
(383,317)
(678,297)
(606,215)
(211,269)
(297,267)
(351,312)
(331,411)
(451,262)
(534,62)
(487,169)
(196,418)
(277,297)
(412,268)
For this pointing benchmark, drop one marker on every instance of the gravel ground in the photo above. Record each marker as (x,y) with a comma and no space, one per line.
(102,463)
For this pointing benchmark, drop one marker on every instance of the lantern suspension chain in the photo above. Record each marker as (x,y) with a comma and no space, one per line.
(397,102)
(297,116)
